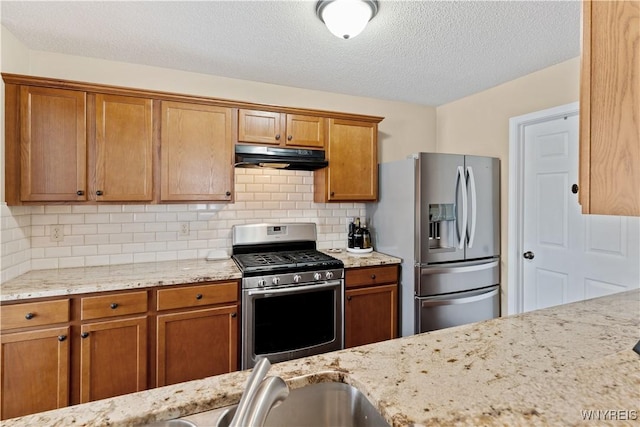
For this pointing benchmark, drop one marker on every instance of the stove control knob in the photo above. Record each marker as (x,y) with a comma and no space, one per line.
(297,278)
(329,275)
(262,283)
(317,276)
(275,281)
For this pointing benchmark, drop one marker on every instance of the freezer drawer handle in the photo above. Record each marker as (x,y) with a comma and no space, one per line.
(467,300)
(466,269)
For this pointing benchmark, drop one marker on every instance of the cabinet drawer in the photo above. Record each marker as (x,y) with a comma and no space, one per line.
(113,305)
(34,314)
(196,296)
(370,276)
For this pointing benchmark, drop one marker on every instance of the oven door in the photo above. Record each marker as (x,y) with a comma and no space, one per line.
(288,323)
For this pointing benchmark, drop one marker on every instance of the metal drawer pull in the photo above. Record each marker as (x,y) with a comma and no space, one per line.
(373,276)
(465,269)
(464,300)
(113,305)
(199,296)
(29,316)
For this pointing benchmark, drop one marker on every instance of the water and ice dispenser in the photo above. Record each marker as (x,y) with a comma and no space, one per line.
(442,226)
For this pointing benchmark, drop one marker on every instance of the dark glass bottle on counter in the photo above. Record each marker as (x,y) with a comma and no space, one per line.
(350,236)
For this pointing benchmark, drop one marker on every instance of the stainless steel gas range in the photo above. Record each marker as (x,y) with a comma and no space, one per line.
(292,294)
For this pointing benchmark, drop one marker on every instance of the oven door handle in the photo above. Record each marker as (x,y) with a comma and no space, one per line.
(291,289)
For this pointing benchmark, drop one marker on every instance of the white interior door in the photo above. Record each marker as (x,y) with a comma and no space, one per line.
(569,256)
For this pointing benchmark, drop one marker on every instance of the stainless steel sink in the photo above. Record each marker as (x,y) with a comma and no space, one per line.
(317,405)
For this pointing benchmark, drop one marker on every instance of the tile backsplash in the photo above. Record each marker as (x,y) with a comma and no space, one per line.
(119,234)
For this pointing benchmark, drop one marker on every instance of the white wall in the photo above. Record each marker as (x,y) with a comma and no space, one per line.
(479,124)
(15,222)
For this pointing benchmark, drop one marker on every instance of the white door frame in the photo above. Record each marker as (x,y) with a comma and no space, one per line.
(515,286)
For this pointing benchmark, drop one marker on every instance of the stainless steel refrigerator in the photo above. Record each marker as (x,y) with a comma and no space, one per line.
(440,213)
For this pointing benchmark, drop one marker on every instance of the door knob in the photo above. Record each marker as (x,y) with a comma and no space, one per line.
(528,255)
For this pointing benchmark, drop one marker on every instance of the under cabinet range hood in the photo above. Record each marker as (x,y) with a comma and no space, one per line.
(254,156)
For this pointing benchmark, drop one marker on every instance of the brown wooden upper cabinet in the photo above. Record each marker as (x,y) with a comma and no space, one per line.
(280,129)
(196,152)
(610,108)
(58,132)
(52,149)
(352,152)
(123,149)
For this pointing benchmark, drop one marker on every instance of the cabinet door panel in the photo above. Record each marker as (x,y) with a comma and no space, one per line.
(113,358)
(196,152)
(53,144)
(305,131)
(35,371)
(124,148)
(352,174)
(263,127)
(610,108)
(371,315)
(196,344)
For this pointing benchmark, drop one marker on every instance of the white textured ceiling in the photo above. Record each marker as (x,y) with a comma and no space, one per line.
(424,52)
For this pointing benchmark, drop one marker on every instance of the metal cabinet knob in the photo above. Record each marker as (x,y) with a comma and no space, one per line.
(62,338)
(373,277)
(29,316)
(80,193)
(99,193)
(228,193)
(349,298)
(290,137)
(84,334)
(332,194)
(113,305)
(278,137)
(528,255)
(234,314)
(199,296)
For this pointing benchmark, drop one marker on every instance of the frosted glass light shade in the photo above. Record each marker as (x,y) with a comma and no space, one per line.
(346,18)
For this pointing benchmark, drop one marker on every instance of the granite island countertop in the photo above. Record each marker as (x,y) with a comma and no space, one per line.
(81,280)
(539,368)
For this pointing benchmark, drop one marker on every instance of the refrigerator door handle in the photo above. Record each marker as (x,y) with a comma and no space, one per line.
(463,228)
(472,185)
(454,300)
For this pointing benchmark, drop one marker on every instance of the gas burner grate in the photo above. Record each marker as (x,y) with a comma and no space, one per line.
(268,261)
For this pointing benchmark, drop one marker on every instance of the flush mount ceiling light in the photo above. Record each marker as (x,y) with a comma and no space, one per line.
(346,18)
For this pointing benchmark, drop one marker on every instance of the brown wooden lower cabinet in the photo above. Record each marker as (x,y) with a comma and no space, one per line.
(371,314)
(113,358)
(35,371)
(196,344)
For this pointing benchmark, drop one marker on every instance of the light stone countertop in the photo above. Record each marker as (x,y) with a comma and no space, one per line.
(353,260)
(541,368)
(73,281)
